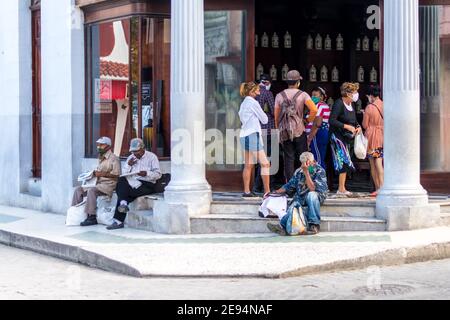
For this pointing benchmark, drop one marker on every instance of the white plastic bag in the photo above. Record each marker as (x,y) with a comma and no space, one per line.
(76,215)
(296,224)
(105,210)
(274,206)
(361,146)
(105,215)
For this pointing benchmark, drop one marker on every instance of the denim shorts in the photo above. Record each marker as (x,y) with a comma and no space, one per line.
(252,143)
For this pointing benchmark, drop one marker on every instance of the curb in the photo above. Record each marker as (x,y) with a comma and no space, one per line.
(390,257)
(66,252)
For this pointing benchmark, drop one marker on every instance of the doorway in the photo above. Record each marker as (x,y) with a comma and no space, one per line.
(36,96)
(329,43)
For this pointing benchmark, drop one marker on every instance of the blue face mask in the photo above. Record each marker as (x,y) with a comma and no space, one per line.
(316,100)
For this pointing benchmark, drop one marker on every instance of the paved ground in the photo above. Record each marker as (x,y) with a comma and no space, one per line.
(27,275)
(148,254)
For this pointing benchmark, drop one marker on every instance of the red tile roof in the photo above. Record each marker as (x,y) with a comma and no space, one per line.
(113,69)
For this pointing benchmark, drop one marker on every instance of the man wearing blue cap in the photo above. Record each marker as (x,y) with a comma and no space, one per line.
(107,174)
(143,167)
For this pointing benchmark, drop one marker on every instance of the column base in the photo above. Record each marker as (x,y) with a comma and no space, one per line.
(171,218)
(407,208)
(172,215)
(403,218)
(412,196)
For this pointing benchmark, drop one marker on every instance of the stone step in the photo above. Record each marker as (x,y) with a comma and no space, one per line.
(445,208)
(445,218)
(232,223)
(330,208)
(140,219)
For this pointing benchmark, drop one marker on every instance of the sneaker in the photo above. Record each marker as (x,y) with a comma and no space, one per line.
(249,195)
(90,221)
(314,229)
(123,208)
(115,226)
(276,228)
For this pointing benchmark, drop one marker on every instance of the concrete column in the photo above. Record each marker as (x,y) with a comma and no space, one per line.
(188,194)
(62,43)
(402,200)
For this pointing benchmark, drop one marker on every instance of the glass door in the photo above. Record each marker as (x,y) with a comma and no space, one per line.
(225,58)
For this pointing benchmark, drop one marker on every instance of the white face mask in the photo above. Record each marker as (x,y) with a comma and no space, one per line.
(355,97)
(268,87)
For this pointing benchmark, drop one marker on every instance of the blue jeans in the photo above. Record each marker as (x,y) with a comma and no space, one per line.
(311,210)
(319,146)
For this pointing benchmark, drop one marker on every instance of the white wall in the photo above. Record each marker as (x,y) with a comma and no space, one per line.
(15,108)
(62,101)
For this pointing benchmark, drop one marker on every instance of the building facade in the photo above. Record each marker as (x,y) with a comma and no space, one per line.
(169,70)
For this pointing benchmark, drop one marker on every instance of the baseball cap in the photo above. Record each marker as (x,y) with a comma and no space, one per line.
(265,77)
(105,140)
(294,75)
(136,145)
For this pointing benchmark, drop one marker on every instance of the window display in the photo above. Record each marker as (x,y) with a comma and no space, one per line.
(129,84)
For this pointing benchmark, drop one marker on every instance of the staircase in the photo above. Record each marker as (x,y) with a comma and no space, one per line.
(445,213)
(235,215)
(232,214)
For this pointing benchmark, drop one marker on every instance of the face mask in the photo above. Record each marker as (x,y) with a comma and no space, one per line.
(311,169)
(316,100)
(101,151)
(355,97)
(268,87)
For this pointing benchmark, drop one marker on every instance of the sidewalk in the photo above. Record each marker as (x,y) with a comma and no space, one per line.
(144,254)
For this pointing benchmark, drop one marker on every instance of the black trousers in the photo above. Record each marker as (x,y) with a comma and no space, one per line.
(127,193)
(292,151)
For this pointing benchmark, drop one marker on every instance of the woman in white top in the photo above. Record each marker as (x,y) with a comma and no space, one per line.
(252,115)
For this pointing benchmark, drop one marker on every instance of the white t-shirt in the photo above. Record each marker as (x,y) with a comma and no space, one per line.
(251,115)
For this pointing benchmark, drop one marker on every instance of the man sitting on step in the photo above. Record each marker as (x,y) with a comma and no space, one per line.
(140,175)
(311,188)
(107,173)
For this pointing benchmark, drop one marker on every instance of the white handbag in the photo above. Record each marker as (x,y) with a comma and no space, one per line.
(76,215)
(361,144)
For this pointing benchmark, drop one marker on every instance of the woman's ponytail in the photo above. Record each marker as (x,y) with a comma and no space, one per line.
(246,88)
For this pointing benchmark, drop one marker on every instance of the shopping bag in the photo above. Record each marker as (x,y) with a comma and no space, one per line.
(105,215)
(76,215)
(296,224)
(361,146)
(274,206)
(105,210)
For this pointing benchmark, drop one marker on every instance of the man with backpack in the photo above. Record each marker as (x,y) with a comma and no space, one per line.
(289,110)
